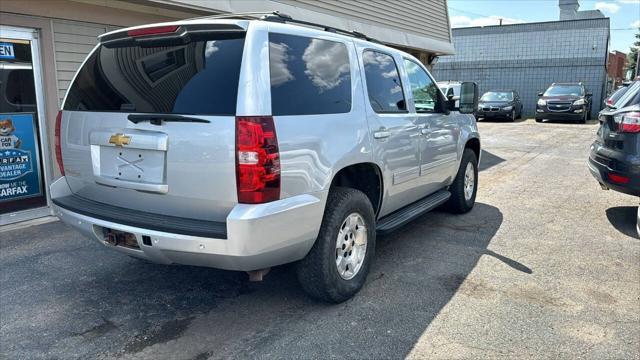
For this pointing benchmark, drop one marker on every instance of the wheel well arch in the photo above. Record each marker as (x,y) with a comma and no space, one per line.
(474,145)
(366,177)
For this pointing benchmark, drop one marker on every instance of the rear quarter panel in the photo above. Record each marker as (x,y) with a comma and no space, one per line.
(313,148)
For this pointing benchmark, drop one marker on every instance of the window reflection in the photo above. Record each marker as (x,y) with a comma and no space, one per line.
(197,78)
(383,82)
(308,75)
(423,89)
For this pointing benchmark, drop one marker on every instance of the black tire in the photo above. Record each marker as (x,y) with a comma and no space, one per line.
(538,120)
(317,272)
(513,116)
(457,203)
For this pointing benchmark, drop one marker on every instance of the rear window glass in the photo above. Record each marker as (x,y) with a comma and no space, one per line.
(197,78)
(308,75)
(383,83)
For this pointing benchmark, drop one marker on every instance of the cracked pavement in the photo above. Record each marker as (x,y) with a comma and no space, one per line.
(547,265)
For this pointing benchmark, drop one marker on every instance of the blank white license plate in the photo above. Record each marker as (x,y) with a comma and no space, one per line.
(130,164)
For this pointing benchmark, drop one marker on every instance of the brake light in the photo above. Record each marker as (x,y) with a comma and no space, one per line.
(609,102)
(57,142)
(257,160)
(155,30)
(618,178)
(628,122)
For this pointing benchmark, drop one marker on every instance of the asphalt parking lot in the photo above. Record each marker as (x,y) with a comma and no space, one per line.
(547,265)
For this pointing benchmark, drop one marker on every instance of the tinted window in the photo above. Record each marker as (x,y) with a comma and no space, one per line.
(424,90)
(560,90)
(497,96)
(630,97)
(197,78)
(308,76)
(19,90)
(383,82)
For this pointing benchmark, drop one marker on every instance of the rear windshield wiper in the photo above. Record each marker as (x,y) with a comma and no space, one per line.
(157,119)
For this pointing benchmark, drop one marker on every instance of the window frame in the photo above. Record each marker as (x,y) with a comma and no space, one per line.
(310,36)
(438,108)
(366,84)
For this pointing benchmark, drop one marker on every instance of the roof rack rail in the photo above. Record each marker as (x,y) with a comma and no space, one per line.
(276,16)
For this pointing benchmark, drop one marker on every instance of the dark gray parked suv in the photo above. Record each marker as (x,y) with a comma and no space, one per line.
(564,101)
(615,155)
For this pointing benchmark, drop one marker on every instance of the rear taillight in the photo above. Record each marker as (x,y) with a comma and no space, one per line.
(257,160)
(154,30)
(57,142)
(628,122)
(609,102)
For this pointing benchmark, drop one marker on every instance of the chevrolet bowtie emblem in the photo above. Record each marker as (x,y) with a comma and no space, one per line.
(119,139)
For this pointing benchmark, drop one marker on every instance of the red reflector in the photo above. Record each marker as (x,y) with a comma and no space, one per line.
(618,178)
(257,160)
(56,139)
(153,30)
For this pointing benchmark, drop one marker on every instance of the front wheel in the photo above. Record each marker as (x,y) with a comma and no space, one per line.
(465,185)
(337,266)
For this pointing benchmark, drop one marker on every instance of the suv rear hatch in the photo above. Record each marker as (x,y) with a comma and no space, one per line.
(619,131)
(148,123)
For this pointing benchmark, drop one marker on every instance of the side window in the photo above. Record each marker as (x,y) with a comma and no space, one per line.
(383,83)
(424,90)
(308,76)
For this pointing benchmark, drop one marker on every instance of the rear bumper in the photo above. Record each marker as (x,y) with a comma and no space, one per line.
(629,167)
(257,236)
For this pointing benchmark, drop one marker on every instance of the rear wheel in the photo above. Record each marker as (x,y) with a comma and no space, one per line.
(337,266)
(465,186)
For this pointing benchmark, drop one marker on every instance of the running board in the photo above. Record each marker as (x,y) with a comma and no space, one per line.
(395,220)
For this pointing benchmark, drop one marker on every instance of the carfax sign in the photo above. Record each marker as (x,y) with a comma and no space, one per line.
(19,165)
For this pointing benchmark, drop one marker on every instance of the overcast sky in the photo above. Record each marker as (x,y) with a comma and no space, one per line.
(624,14)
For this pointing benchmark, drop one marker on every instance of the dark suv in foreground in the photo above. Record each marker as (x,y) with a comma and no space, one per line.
(564,101)
(615,155)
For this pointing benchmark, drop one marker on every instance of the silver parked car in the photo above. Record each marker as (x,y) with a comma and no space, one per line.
(245,143)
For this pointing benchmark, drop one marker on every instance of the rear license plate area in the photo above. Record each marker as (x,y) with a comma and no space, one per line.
(128,164)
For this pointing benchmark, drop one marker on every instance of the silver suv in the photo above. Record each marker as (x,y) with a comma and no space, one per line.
(243,144)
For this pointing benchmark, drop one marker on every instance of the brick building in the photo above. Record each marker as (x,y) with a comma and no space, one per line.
(616,68)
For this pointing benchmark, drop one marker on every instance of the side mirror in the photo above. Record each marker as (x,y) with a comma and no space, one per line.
(589,93)
(468,97)
(540,93)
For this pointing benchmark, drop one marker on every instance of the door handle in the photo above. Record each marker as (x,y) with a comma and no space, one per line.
(425,131)
(381,134)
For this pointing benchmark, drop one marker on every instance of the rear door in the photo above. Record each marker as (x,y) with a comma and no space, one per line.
(150,125)
(396,137)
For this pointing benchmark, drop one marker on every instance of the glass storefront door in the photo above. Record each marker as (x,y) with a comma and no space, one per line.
(22,174)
